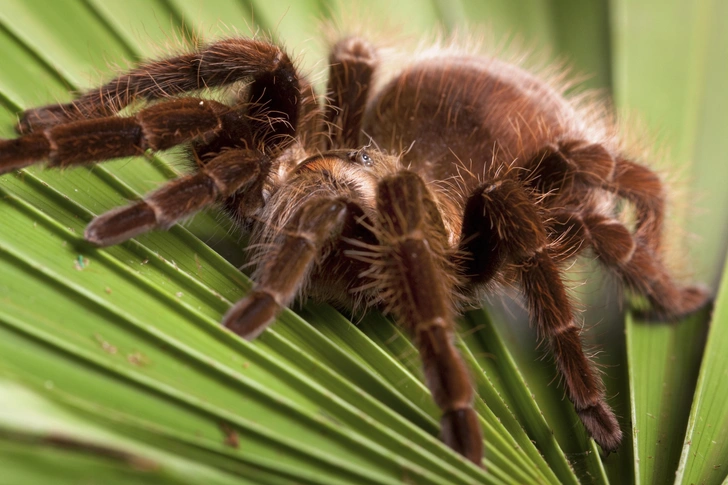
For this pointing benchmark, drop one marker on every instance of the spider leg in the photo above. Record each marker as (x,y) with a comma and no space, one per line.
(573,231)
(157,127)
(310,131)
(287,264)
(511,230)
(215,65)
(552,312)
(632,259)
(573,164)
(413,274)
(352,64)
(571,171)
(569,164)
(643,188)
(230,172)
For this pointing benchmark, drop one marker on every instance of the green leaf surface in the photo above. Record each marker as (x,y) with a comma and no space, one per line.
(664,359)
(704,456)
(108,355)
(39,438)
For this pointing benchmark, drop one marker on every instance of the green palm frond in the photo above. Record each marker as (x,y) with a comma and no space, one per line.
(113,366)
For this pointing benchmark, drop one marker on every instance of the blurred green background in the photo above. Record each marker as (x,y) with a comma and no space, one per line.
(113,368)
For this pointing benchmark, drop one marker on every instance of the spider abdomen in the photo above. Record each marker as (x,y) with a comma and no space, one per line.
(471,113)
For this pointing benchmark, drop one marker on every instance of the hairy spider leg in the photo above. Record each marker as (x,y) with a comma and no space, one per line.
(352,64)
(157,127)
(552,312)
(215,65)
(310,132)
(646,274)
(572,232)
(636,264)
(573,170)
(510,229)
(643,188)
(288,263)
(267,118)
(410,276)
(560,168)
(230,172)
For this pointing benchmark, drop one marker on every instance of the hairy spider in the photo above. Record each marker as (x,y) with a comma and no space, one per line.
(482,175)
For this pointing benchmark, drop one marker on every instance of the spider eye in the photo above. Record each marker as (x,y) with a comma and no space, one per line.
(364,158)
(360,157)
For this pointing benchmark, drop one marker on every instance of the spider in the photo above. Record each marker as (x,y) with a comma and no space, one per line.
(413,194)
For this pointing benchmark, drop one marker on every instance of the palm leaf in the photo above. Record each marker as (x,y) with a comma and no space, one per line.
(113,365)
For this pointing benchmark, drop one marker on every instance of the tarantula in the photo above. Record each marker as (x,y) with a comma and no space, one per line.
(482,175)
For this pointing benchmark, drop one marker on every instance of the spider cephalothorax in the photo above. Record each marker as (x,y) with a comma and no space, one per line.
(481,174)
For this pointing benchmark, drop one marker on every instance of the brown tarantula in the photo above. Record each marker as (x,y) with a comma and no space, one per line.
(482,174)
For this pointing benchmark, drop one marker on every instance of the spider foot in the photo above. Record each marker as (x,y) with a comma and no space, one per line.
(461,432)
(38,119)
(690,300)
(251,315)
(601,424)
